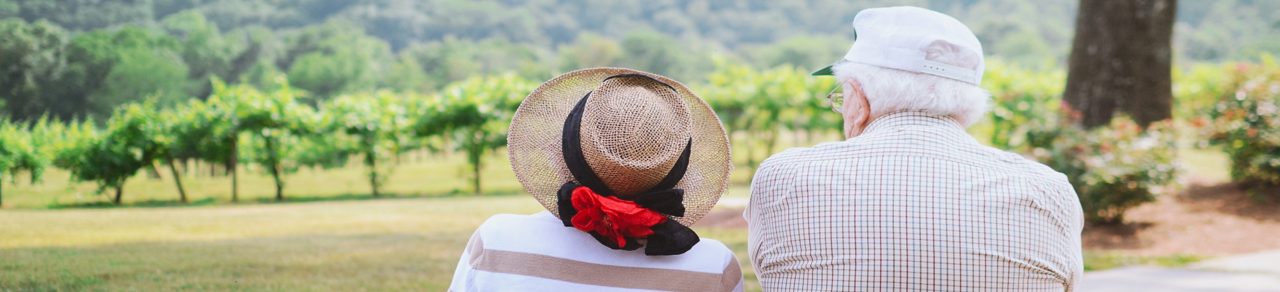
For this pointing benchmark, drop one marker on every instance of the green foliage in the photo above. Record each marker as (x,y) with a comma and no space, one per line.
(760,104)
(143,72)
(31,55)
(590,51)
(81,14)
(375,126)
(1245,122)
(133,139)
(275,121)
(203,49)
(126,51)
(1196,90)
(429,119)
(70,141)
(335,58)
(478,113)
(1227,30)
(110,68)
(805,51)
(659,53)
(451,60)
(1020,100)
(1113,168)
(22,150)
(209,130)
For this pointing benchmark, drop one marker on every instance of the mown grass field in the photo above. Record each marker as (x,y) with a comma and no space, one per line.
(328,236)
(391,244)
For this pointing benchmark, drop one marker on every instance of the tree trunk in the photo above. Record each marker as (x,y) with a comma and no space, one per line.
(373,179)
(177,180)
(475,177)
(448,151)
(152,172)
(119,193)
(231,167)
(372,161)
(1121,61)
(274,161)
(275,174)
(771,142)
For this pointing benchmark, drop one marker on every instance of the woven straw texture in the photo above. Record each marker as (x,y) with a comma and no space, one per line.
(633,130)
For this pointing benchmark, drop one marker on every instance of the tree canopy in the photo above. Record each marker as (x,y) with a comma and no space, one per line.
(83,58)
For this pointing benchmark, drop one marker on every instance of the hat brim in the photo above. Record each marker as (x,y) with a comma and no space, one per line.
(533,141)
(825,71)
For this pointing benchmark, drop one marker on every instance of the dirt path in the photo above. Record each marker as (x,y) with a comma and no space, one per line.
(1211,220)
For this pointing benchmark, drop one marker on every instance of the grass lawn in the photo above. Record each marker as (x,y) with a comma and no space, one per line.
(397,244)
(390,244)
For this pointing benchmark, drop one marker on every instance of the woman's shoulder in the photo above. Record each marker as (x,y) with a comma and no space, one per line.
(544,234)
(505,225)
(712,248)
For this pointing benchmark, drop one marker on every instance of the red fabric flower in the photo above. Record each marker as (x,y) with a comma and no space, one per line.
(612,217)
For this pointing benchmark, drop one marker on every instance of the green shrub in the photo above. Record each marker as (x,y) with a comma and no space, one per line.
(374,126)
(475,116)
(1113,168)
(22,150)
(760,104)
(1245,123)
(1022,100)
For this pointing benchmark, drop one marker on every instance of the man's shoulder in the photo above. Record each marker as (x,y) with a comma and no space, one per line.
(1035,172)
(795,155)
(1052,188)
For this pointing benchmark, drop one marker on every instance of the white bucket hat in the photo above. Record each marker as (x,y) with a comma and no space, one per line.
(901,37)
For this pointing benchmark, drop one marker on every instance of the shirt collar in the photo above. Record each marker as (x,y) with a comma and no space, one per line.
(906,119)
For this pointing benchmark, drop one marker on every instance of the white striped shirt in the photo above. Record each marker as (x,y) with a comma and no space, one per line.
(538,253)
(912,204)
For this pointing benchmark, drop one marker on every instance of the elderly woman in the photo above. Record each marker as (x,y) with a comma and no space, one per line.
(910,201)
(624,161)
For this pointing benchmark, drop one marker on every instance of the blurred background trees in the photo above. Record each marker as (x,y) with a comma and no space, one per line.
(108,90)
(82,58)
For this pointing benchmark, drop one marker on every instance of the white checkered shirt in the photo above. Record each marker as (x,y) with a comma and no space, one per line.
(913,204)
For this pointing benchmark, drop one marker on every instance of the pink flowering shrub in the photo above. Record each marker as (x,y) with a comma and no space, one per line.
(1113,168)
(1245,123)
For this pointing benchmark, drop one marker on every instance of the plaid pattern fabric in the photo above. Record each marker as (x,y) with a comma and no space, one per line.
(913,204)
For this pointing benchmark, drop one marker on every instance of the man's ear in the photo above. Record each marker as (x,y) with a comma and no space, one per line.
(862,108)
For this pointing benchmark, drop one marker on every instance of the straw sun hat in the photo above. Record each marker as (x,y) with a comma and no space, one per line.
(628,136)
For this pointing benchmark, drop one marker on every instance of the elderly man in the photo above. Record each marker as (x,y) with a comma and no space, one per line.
(910,201)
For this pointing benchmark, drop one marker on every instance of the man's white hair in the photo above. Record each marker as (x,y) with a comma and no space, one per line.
(891,90)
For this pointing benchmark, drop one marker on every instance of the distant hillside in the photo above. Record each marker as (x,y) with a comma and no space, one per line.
(83,58)
(1020,30)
